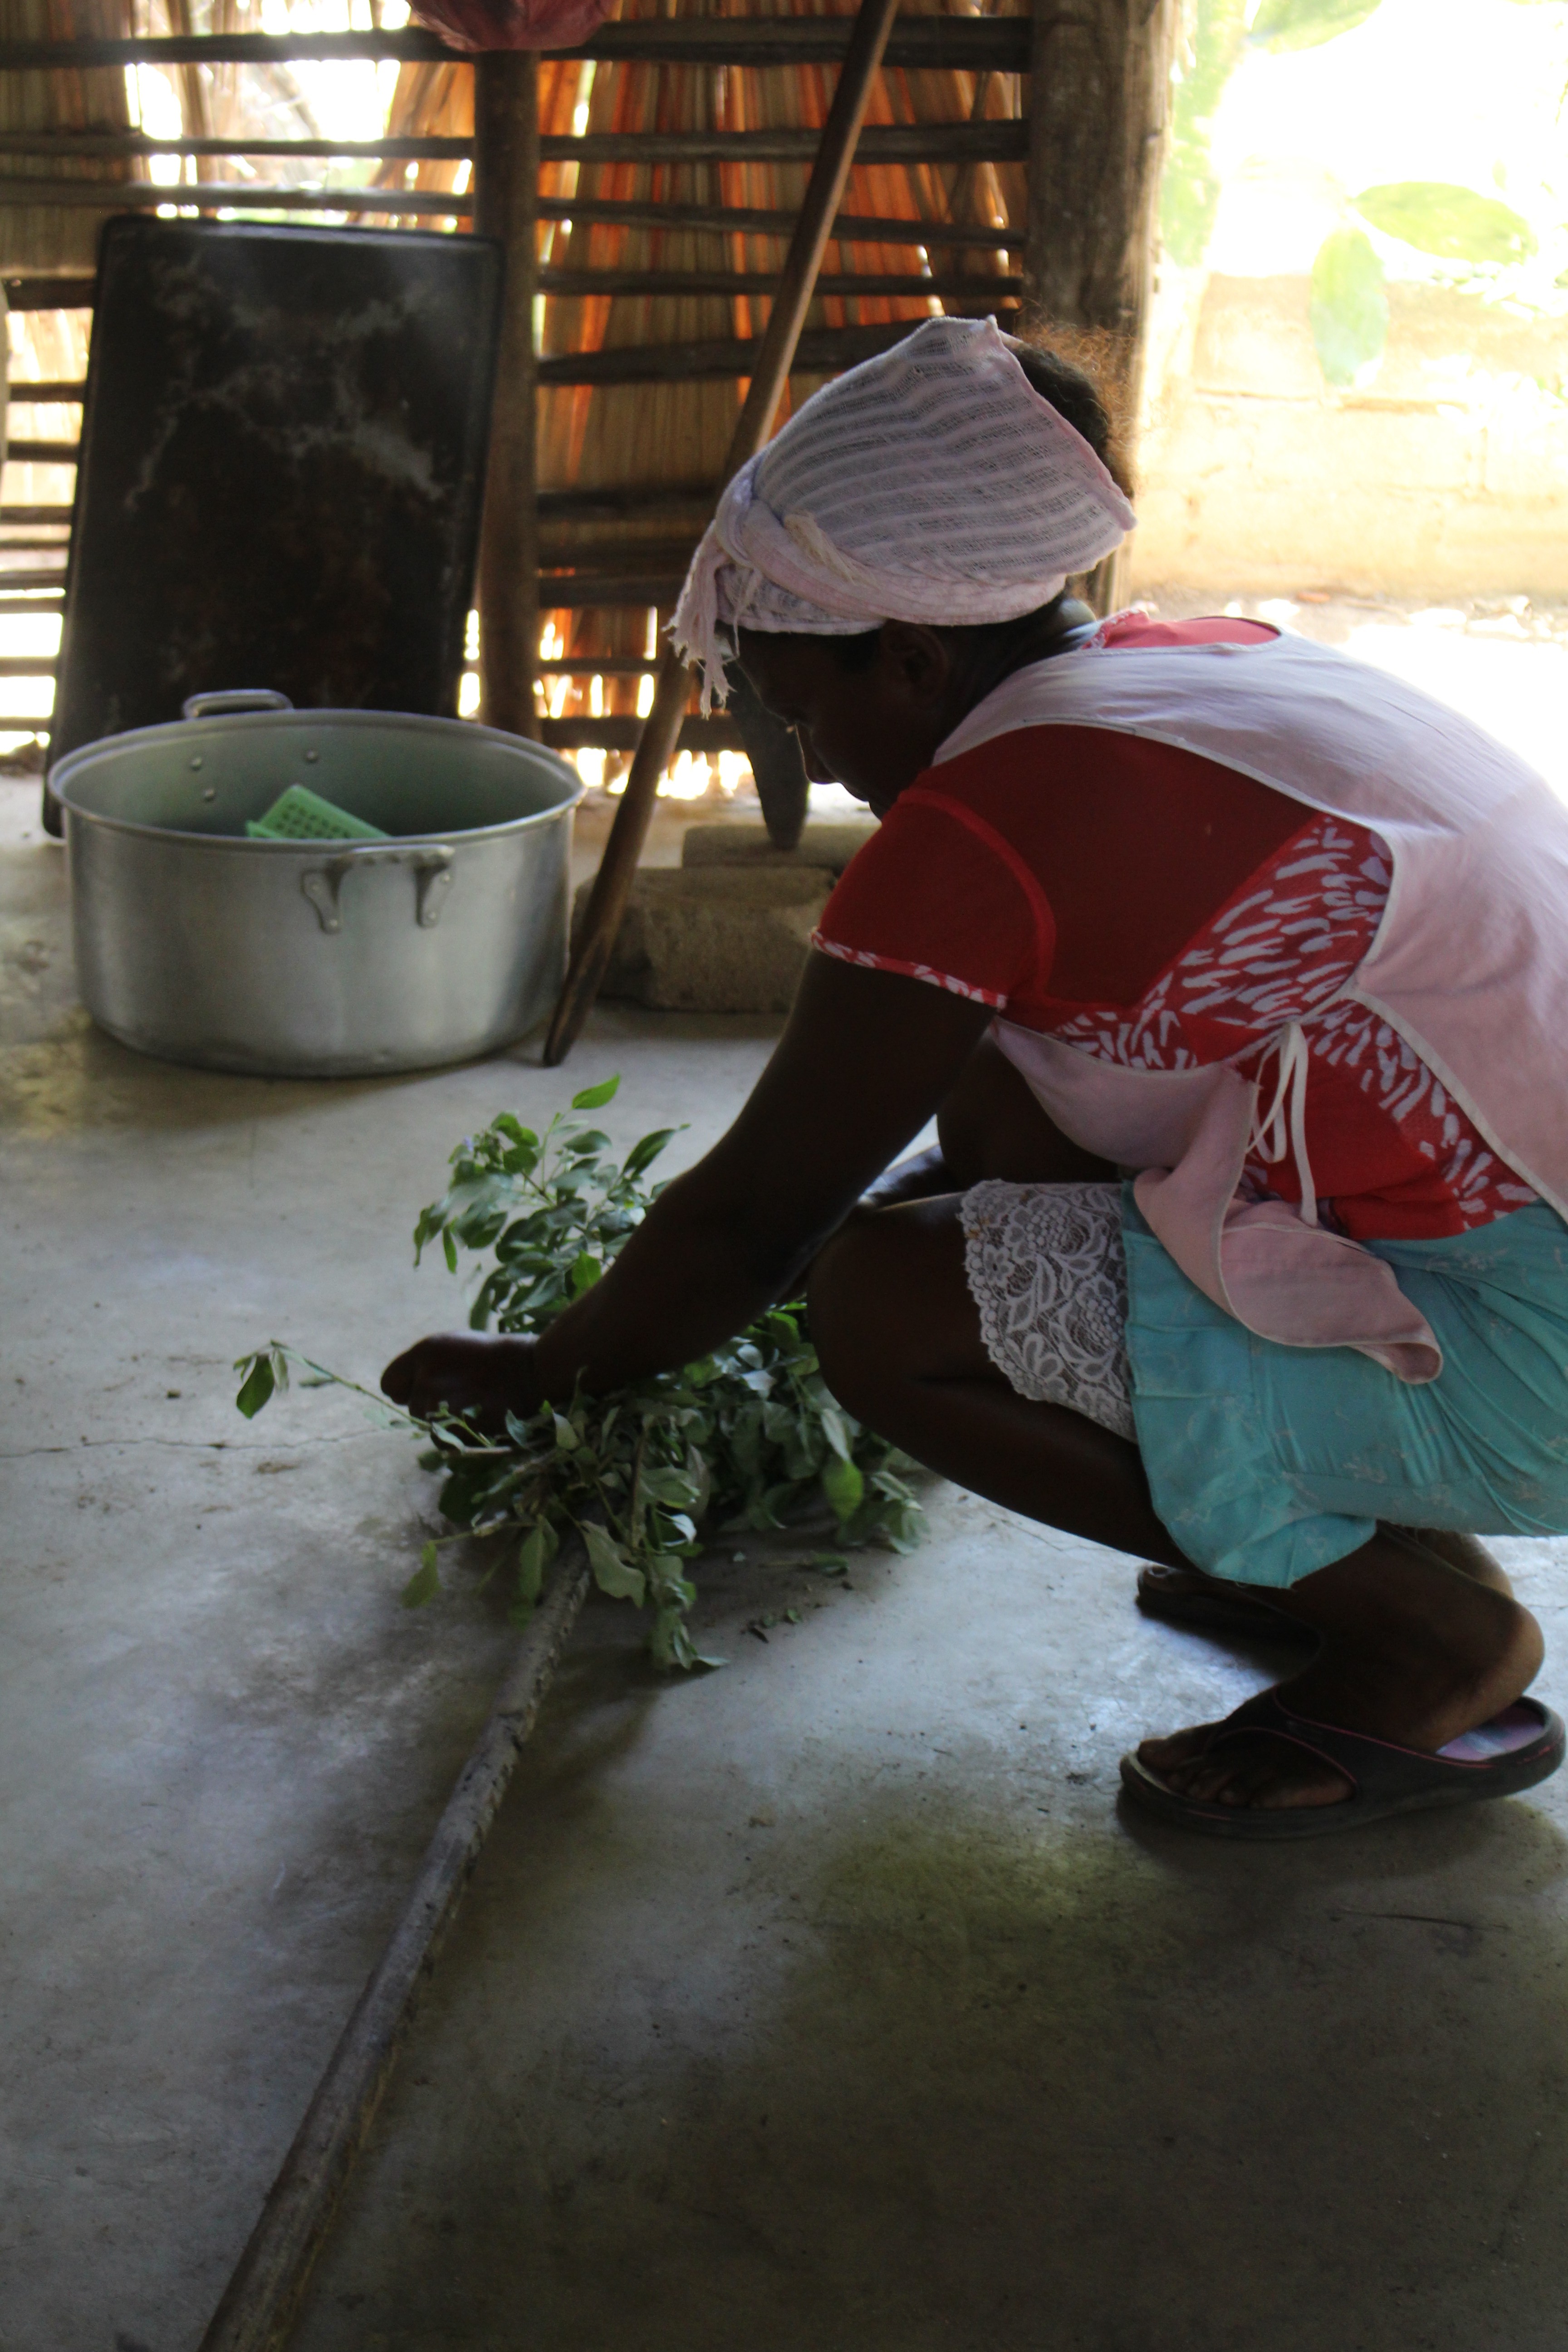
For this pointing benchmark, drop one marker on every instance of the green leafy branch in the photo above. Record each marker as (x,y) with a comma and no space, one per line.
(1349,296)
(750,1437)
(1349,302)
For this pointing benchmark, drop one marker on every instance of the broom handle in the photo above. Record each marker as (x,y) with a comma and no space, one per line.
(661,728)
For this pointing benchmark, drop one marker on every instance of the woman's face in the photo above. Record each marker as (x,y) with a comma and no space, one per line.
(871,730)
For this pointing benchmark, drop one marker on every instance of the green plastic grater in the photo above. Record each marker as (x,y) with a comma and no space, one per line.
(300,815)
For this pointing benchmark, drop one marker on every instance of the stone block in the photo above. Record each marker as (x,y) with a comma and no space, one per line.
(716,937)
(824,846)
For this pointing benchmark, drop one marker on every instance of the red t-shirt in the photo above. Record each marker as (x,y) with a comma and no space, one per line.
(1160,911)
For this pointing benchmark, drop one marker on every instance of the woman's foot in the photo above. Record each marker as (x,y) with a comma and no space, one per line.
(1415,1652)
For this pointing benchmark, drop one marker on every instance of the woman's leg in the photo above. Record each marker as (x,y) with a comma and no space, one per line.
(990,1124)
(1414,1650)
(1466,1553)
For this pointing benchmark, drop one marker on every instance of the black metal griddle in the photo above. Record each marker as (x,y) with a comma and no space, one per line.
(281,470)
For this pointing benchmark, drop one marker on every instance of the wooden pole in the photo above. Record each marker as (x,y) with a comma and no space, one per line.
(505,206)
(825,191)
(257,2307)
(1100,88)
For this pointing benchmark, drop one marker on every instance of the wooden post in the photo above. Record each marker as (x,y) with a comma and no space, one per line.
(1099,97)
(505,206)
(824,193)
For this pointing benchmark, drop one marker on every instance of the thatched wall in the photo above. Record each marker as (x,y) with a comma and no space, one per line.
(64,239)
(670,436)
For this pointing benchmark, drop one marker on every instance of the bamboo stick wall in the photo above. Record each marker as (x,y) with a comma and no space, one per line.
(685,170)
(652,450)
(58,238)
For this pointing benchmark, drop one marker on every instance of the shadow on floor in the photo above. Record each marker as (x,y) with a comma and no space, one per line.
(912,2072)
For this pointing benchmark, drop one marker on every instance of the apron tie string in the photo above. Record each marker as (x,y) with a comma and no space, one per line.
(1283,1126)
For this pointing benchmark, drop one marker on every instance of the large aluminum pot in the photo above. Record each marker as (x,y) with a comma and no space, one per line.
(317,959)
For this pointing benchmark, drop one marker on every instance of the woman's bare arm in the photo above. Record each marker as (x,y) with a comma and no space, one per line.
(864,1061)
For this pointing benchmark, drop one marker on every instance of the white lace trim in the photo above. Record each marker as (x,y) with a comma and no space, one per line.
(1046,1270)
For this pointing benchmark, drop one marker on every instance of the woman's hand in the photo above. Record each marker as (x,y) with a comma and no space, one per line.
(865,1060)
(479,1381)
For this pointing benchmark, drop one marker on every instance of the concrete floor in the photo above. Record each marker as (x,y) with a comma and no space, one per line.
(824,2004)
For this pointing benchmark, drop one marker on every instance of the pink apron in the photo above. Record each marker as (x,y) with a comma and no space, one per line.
(1470,965)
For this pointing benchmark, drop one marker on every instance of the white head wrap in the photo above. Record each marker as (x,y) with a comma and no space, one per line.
(933,484)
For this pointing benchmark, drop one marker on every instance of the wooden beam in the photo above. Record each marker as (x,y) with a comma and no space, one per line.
(961,44)
(67,145)
(564,556)
(576,591)
(898,143)
(964,44)
(968,285)
(44,392)
(622,734)
(597,665)
(775,356)
(506,139)
(232,196)
(50,294)
(1098,110)
(822,352)
(675,502)
(249,195)
(726,220)
(223,49)
(42,453)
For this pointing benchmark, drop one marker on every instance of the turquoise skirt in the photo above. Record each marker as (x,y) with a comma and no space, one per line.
(1266,1462)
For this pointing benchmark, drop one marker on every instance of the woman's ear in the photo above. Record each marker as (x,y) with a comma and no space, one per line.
(918,659)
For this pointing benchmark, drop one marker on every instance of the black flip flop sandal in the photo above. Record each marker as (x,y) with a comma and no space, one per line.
(1517,1747)
(1220,1612)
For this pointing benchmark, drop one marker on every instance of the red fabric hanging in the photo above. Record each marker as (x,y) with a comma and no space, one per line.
(475,25)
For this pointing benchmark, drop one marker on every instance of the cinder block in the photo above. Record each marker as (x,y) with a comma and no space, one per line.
(830,847)
(715,939)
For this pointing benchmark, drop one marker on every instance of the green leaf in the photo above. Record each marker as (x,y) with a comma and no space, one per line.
(836,1430)
(566,1438)
(1349,308)
(505,1124)
(844,1487)
(426,1582)
(1454,223)
(258,1386)
(585,1273)
(451,1248)
(532,1557)
(676,1488)
(643,1154)
(613,1572)
(595,1098)
(1307,24)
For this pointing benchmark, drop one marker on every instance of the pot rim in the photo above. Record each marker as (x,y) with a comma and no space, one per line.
(190,730)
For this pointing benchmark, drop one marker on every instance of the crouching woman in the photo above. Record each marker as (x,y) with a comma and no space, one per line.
(1236,975)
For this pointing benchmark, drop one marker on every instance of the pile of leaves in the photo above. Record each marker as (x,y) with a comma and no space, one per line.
(749,1438)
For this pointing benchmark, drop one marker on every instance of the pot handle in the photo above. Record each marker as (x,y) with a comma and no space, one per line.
(230,698)
(322,884)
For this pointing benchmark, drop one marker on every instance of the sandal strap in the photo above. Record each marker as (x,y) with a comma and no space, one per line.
(1366,1762)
